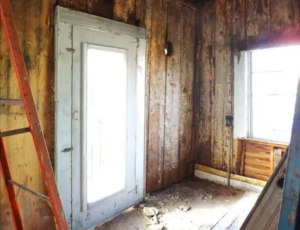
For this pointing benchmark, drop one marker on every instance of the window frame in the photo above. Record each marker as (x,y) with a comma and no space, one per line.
(243,98)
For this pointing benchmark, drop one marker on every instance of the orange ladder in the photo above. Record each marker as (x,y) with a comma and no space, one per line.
(34,128)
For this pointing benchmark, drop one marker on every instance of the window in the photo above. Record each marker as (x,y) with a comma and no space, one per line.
(266,81)
(103,118)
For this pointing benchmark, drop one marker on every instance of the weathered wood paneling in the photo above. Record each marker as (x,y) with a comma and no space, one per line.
(173,85)
(226,26)
(170,80)
(187,58)
(258,158)
(157,93)
(170,84)
(205,84)
(34,20)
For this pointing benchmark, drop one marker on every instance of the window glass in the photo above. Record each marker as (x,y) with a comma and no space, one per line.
(106,121)
(274,78)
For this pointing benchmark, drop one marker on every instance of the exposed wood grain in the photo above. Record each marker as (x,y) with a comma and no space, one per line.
(80,5)
(173,88)
(232,176)
(221,68)
(163,144)
(264,22)
(156,109)
(125,11)
(239,17)
(283,14)
(103,8)
(221,132)
(63,3)
(264,17)
(272,160)
(254,147)
(187,39)
(250,169)
(257,163)
(34,20)
(205,82)
(251,18)
(262,156)
(242,153)
(256,176)
(258,18)
(223,81)
(259,154)
(264,143)
(257,151)
(35,35)
(140,12)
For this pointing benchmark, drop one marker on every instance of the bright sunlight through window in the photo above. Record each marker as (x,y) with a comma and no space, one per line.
(273,86)
(106,121)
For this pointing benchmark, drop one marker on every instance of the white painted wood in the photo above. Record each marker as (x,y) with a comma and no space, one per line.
(79,30)
(223,181)
(141,116)
(63,97)
(241,96)
(97,23)
(84,130)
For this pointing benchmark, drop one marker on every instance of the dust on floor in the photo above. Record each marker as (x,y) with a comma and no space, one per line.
(191,205)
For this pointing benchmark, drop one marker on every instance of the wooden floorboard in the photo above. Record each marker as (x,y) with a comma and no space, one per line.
(212,207)
(237,214)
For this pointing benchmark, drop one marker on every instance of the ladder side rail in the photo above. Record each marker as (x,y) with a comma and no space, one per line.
(31,113)
(9,189)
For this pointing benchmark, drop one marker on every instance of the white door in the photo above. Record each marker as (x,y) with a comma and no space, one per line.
(99,117)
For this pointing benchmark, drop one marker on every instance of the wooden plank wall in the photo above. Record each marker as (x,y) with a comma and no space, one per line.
(259,158)
(34,20)
(222,27)
(170,90)
(170,80)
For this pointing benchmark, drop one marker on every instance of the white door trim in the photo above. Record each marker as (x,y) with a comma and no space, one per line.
(65,20)
(76,18)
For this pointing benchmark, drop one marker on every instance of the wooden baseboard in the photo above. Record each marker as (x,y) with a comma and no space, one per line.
(217,172)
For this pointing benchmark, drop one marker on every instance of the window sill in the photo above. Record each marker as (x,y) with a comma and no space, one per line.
(265,142)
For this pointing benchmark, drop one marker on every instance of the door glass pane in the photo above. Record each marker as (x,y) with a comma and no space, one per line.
(106,121)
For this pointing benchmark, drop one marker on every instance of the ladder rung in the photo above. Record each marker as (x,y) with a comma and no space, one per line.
(14,132)
(39,195)
(7,101)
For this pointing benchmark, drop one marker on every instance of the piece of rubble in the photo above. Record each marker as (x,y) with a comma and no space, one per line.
(184,208)
(139,206)
(150,211)
(161,203)
(155,227)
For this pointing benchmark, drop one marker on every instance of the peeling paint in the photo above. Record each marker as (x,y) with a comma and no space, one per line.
(223,25)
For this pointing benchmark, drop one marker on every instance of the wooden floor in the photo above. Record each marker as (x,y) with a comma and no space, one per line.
(212,207)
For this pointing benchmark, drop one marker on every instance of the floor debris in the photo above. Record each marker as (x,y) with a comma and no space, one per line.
(184,208)
(191,205)
(150,211)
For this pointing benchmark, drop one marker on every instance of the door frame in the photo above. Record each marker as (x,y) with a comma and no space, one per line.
(65,19)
